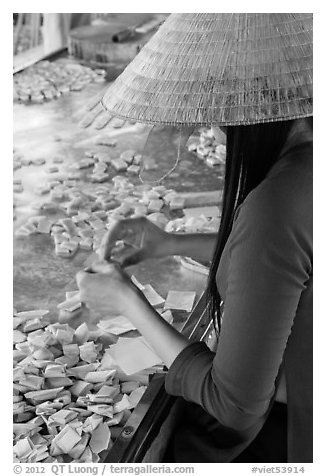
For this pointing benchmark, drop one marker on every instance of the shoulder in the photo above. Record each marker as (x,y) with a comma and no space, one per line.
(276,217)
(285,197)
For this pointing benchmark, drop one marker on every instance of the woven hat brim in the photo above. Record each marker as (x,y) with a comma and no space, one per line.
(226,69)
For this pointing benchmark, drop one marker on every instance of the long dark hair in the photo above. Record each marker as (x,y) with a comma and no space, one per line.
(251,151)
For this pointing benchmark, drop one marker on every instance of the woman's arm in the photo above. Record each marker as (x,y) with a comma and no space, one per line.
(147,241)
(106,288)
(198,246)
(165,340)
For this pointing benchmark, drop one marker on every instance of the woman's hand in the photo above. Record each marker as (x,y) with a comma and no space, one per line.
(145,240)
(106,288)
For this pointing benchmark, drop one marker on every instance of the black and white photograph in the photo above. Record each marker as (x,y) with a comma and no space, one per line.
(162,212)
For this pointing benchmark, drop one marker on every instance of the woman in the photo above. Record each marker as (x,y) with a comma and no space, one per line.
(250,401)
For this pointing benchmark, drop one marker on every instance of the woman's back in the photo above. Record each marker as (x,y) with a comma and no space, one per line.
(265,280)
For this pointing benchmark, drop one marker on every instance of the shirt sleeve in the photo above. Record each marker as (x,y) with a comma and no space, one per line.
(269,263)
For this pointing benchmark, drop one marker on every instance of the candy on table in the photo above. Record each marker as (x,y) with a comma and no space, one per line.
(73,176)
(208,212)
(66,250)
(53,382)
(69,225)
(18,336)
(143,356)
(50,401)
(50,207)
(124,209)
(71,304)
(33,382)
(85,163)
(52,169)
(43,354)
(44,225)
(152,296)
(167,316)
(90,153)
(128,156)
(177,203)
(86,245)
(39,161)
(54,183)
(33,325)
(192,147)
(99,376)
(118,325)
(155,205)
(86,233)
(213,161)
(100,214)
(39,396)
(209,148)
(139,211)
(77,451)
(160,190)
(66,439)
(88,352)
(106,141)
(100,438)
(136,395)
(128,387)
(137,159)
(81,216)
(82,333)
(81,370)
(51,79)
(62,332)
(122,405)
(58,160)
(99,168)
(56,195)
(182,300)
(26,315)
(102,157)
(159,219)
(117,123)
(96,223)
(43,189)
(149,196)
(99,177)
(119,165)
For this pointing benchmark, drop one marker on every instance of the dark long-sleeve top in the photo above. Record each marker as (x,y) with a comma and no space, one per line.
(265,281)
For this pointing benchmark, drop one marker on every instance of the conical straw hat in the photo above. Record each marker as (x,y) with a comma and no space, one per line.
(219,68)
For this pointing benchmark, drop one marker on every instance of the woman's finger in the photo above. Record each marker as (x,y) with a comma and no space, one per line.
(127,230)
(108,241)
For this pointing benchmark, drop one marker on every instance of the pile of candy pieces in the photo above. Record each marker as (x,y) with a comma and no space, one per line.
(49,80)
(89,208)
(199,224)
(70,398)
(208,149)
